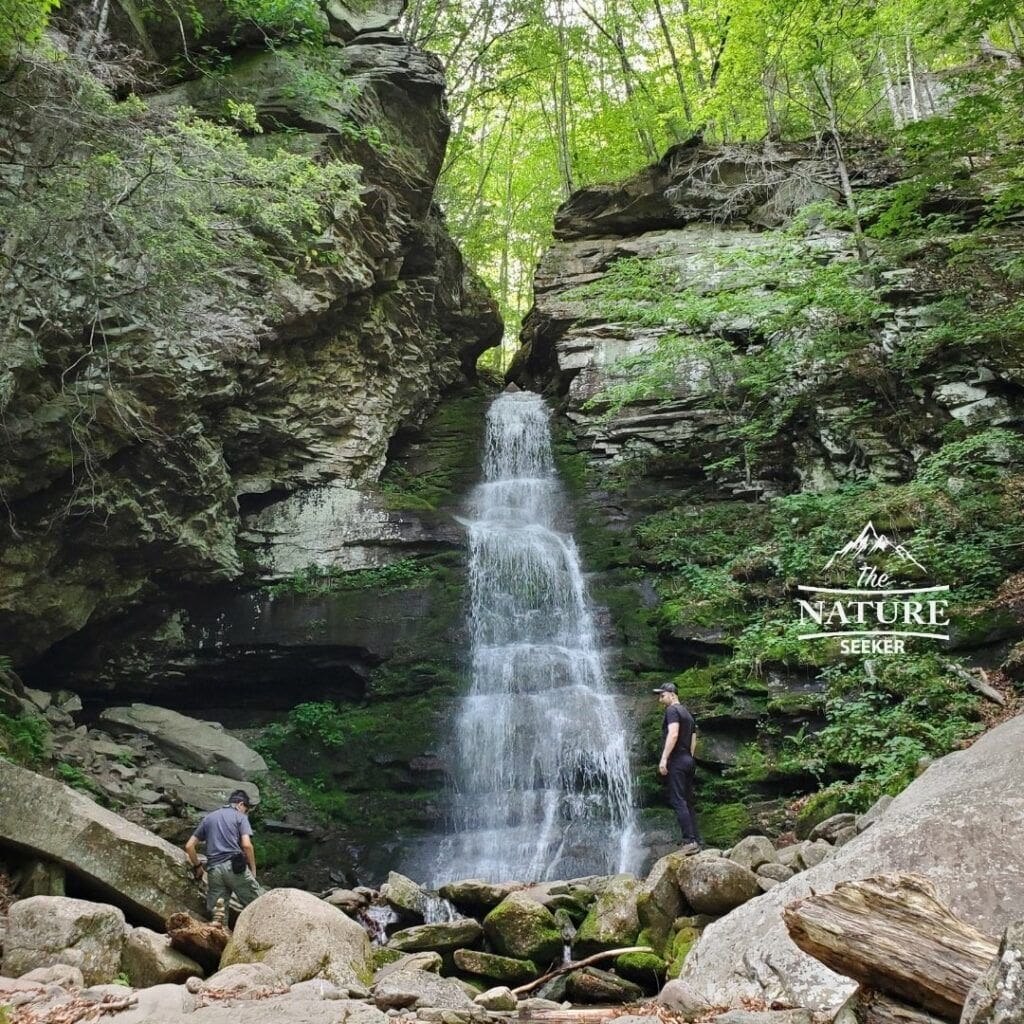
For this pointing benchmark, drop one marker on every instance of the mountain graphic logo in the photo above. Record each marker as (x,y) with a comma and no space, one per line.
(869,541)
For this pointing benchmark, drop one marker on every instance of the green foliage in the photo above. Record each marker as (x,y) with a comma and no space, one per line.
(315,579)
(77,779)
(24,739)
(22,23)
(724,824)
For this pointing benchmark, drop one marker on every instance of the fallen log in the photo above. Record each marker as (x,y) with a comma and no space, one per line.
(893,935)
(977,682)
(585,962)
(576,1015)
(201,940)
(874,1008)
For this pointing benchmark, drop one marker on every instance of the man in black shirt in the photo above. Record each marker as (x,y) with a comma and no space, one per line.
(679,738)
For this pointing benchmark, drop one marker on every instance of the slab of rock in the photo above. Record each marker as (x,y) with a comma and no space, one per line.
(524,930)
(778,872)
(404,895)
(592,985)
(301,937)
(347,900)
(961,825)
(476,894)
(753,851)
(997,997)
(680,997)
(60,974)
(244,981)
(716,885)
(426,961)
(873,813)
(795,1016)
(659,901)
(443,937)
(612,921)
(499,998)
(831,827)
(197,789)
(47,930)
(148,959)
(187,741)
(416,989)
(505,969)
(815,852)
(141,872)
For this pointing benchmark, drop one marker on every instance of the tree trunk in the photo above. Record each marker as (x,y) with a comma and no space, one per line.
(676,69)
(201,940)
(874,1008)
(892,934)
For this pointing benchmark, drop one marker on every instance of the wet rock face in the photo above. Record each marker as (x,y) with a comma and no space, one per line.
(281,417)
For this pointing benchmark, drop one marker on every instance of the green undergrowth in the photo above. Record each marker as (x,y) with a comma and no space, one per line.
(24,739)
(317,580)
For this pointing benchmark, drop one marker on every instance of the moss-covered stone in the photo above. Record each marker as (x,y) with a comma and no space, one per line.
(680,946)
(722,825)
(524,930)
(592,985)
(442,937)
(612,921)
(504,970)
(644,969)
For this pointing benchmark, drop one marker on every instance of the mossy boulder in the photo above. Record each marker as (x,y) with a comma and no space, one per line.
(723,825)
(679,947)
(504,969)
(591,985)
(659,901)
(644,969)
(442,937)
(612,921)
(473,893)
(716,885)
(524,930)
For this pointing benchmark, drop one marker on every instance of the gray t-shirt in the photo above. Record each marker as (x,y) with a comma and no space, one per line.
(222,831)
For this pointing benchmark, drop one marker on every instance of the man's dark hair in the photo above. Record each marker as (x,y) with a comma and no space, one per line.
(240,797)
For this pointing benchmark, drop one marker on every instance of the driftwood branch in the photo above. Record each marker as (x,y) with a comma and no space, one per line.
(586,962)
(977,682)
(894,936)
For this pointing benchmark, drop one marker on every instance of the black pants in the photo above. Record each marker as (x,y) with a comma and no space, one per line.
(680,796)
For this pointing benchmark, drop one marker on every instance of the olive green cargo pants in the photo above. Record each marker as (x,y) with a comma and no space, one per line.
(222,883)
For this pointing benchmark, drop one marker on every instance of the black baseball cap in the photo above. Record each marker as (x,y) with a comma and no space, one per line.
(665,688)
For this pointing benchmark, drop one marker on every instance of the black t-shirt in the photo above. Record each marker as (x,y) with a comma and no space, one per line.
(678,713)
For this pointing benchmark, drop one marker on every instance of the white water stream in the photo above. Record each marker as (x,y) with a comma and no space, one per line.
(543,788)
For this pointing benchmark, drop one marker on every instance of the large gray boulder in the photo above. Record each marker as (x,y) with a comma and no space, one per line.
(198,789)
(659,901)
(612,921)
(149,959)
(416,989)
(141,872)
(187,741)
(47,930)
(961,825)
(301,937)
(442,937)
(716,885)
(524,930)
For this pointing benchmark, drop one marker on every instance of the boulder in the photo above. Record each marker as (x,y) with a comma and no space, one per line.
(301,937)
(795,1016)
(47,930)
(613,920)
(404,895)
(443,937)
(415,989)
(831,827)
(645,969)
(245,981)
(142,873)
(716,885)
(873,813)
(753,851)
(792,856)
(659,901)
(186,741)
(427,961)
(500,998)
(505,969)
(961,825)
(524,930)
(60,974)
(474,894)
(148,959)
(778,872)
(682,998)
(997,997)
(813,853)
(592,985)
(347,20)
(206,792)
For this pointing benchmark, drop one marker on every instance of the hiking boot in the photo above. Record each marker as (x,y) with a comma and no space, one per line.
(690,848)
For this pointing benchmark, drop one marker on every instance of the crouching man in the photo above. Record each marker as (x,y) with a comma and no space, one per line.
(230,858)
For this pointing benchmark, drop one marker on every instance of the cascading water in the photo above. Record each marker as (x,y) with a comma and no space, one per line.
(542,782)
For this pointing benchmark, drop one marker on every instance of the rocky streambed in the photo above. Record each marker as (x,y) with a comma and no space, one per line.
(704,934)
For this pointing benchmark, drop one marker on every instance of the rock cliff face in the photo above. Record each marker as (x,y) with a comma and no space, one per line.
(146,456)
(739,396)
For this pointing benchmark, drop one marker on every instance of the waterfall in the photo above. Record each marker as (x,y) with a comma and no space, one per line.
(542,785)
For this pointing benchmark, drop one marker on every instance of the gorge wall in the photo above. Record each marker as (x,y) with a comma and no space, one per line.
(229,302)
(741,392)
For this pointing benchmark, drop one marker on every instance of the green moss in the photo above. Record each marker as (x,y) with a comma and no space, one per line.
(833,800)
(679,948)
(382,956)
(723,825)
(645,969)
